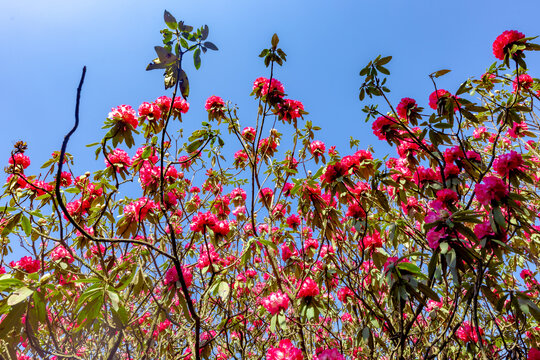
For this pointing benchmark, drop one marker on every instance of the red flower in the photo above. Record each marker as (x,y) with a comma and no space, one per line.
(504,42)
(285,351)
(27,264)
(534,354)
(406,105)
(213,103)
(507,163)
(248,134)
(437,99)
(293,221)
(317,147)
(290,110)
(118,158)
(172,276)
(334,172)
(308,288)
(525,82)
(124,114)
(384,127)
(20,159)
(493,188)
(149,111)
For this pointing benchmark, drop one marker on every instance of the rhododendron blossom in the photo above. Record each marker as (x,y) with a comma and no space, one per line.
(124,114)
(275,302)
(491,189)
(20,159)
(329,354)
(285,351)
(308,288)
(503,42)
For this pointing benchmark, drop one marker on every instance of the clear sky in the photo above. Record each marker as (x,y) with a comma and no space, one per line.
(46,43)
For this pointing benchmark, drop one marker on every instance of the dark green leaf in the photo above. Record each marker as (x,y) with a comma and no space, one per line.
(26,226)
(440,73)
(210,45)
(275,41)
(184,84)
(204,32)
(170,20)
(197,58)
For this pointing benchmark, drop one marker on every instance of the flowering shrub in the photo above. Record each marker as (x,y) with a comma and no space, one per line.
(288,249)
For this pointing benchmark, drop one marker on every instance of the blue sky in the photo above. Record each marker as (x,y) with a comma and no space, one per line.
(46,43)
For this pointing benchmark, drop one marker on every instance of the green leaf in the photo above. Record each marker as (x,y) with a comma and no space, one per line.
(12,319)
(115,299)
(439,73)
(204,32)
(210,45)
(26,226)
(428,292)
(409,267)
(170,20)
(197,58)
(14,220)
(223,290)
(164,55)
(184,84)
(275,41)
(194,146)
(19,295)
(384,60)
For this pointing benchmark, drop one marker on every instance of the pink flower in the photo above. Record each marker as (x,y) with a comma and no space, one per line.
(467,333)
(118,158)
(221,228)
(20,159)
(438,98)
(525,82)
(137,210)
(249,134)
(65,179)
(290,109)
(339,169)
(262,84)
(355,211)
(406,105)
(149,111)
(478,133)
(171,276)
(124,114)
(434,237)
(483,230)
(285,351)
(507,163)
(286,252)
(308,288)
(214,104)
(329,354)
(385,127)
(504,42)
(317,148)
(534,354)
(266,194)
(27,264)
(275,302)
(60,253)
(293,221)
(518,130)
(180,105)
(493,188)
(201,220)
